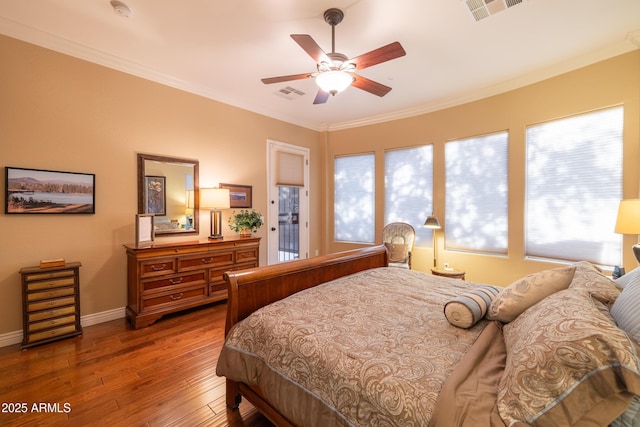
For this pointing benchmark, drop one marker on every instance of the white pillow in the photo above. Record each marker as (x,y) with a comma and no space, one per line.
(625,308)
(624,280)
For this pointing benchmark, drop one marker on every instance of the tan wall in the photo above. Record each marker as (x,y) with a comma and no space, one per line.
(61,113)
(612,82)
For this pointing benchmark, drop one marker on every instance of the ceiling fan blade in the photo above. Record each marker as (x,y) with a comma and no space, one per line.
(370,86)
(321,97)
(311,47)
(385,53)
(280,79)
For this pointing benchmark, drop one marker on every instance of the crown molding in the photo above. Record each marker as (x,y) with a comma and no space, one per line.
(40,38)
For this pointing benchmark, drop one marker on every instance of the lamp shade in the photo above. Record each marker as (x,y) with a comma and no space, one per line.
(214,198)
(432,222)
(334,81)
(628,221)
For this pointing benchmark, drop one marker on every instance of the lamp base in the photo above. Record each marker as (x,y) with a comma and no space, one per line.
(216,225)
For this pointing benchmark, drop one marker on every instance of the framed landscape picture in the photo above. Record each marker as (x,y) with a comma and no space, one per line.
(239,195)
(37,191)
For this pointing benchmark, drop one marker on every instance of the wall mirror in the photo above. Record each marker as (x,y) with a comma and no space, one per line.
(168,189)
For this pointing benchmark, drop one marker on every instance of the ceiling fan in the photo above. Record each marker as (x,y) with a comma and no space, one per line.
(336,71)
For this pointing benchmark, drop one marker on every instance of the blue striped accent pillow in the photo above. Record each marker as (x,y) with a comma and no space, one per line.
(467,309)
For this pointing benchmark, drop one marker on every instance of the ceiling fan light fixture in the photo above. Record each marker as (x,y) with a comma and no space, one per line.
(334,81)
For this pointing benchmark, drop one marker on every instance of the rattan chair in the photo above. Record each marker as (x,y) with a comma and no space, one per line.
(398,237)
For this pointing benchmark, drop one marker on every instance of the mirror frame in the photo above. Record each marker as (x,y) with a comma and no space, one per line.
(196,187)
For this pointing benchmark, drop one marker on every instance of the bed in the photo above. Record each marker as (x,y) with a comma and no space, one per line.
(344,339)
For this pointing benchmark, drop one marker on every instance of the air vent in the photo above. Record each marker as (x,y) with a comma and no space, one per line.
(481,9)
(289,92)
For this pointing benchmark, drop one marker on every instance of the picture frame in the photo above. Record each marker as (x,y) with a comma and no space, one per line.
(155,195)
(240,196)
(145,229)
(41,191)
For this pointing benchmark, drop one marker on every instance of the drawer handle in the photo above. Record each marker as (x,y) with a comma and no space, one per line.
(155,267)
(176,280)
(177,297)
(207,260)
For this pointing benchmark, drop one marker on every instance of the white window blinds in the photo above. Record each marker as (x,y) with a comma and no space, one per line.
(477,193)
(574,186)
(354,198)
(289,169)
(408,189)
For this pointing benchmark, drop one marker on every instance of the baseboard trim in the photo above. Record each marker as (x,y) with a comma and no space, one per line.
(105,316)
(15,337)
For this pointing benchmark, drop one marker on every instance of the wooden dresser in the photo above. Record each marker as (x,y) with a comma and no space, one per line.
(169,277)
(51,303)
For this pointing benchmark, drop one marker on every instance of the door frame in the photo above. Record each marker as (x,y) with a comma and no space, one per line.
(272,201)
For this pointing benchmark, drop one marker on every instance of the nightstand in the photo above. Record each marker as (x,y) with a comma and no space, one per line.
(452,273)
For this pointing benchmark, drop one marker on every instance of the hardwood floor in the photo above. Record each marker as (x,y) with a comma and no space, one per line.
(162,375)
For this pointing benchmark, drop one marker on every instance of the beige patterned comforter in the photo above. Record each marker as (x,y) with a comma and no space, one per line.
(371,349)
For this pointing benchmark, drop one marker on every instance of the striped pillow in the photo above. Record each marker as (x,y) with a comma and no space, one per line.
(467,309)
(625,309)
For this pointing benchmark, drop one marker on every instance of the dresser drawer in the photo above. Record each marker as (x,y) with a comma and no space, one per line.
(178,297)
(50,284)
(51,293)
(52,333)
(218,291)
(52,303)
(157,267)
(216,274)
(48,314)
(246,255)
(50,323)
(29,277)
(206,260)
(166,283)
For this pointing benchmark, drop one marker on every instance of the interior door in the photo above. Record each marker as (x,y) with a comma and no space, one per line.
(288,224)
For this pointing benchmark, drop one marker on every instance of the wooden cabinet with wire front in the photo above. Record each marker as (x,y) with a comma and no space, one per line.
(51,303)
(170,277)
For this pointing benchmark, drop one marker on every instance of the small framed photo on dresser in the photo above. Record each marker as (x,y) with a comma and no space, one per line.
(145,229)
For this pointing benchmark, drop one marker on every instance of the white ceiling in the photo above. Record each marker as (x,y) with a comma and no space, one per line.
(221,49)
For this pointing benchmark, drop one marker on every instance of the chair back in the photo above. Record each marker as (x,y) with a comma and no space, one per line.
(399,233)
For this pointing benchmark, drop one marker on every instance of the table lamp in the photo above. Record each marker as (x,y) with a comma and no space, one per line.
(628,221)
(215,199)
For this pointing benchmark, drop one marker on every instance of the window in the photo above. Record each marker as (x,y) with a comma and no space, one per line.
(574,186)
(354,198)
(477,193)
(408,189)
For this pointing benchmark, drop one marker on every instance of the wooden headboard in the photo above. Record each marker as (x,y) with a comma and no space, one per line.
(251,289)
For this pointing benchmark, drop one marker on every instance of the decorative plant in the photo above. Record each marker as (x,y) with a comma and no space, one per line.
(246,220)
